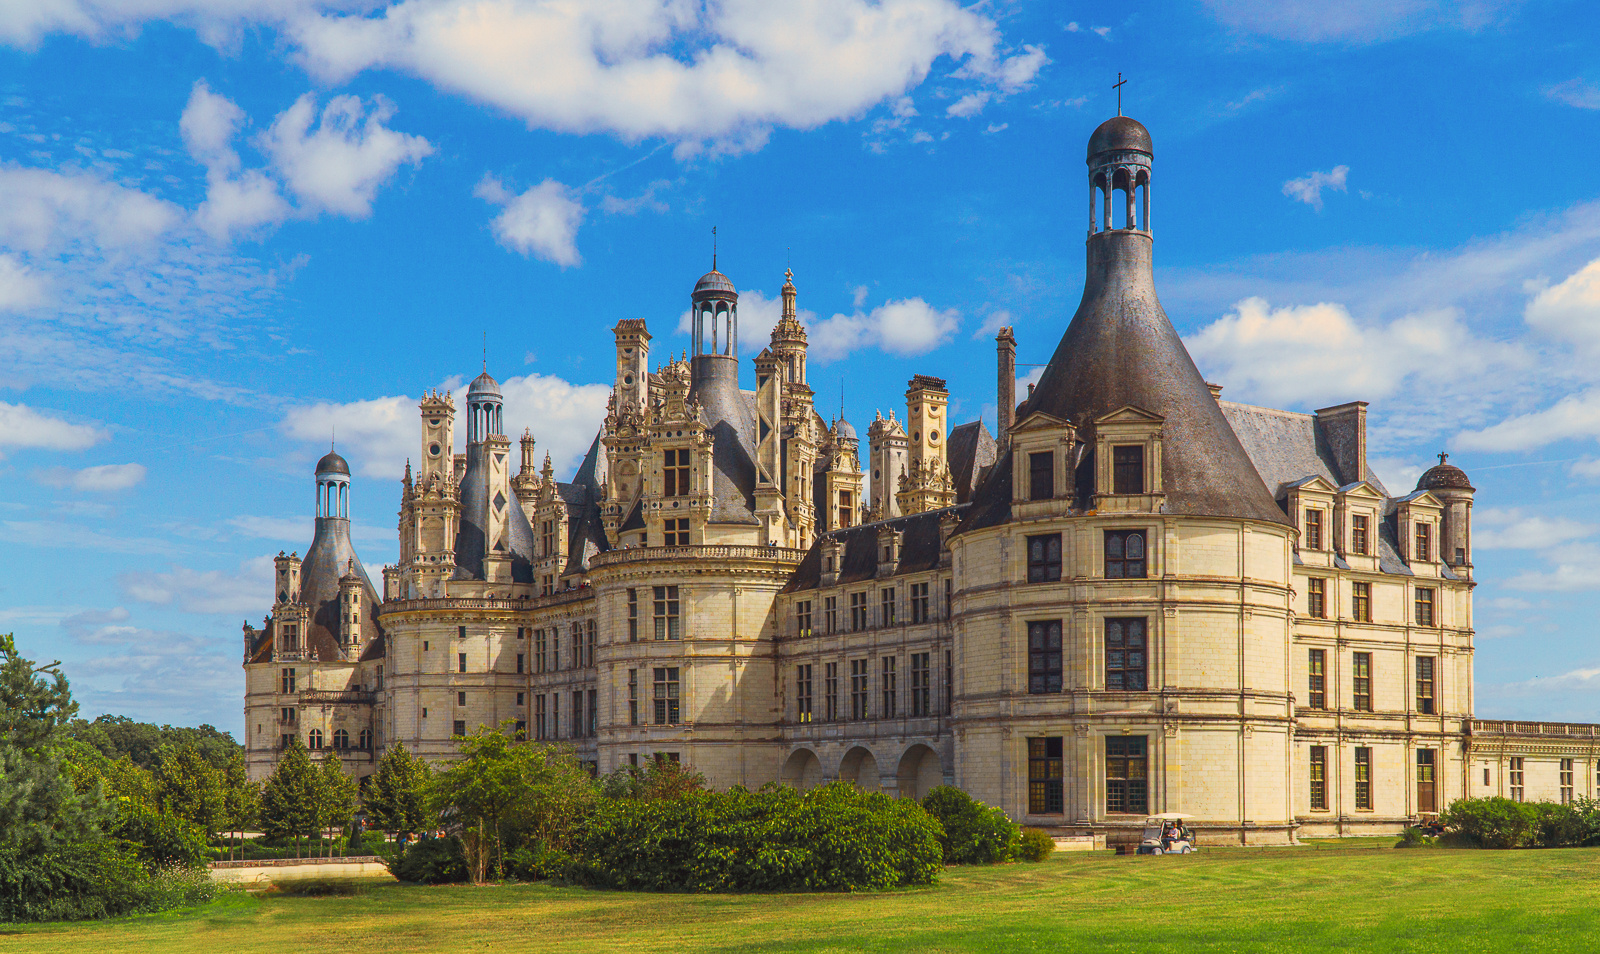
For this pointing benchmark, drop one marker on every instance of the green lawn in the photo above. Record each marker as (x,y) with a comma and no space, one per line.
(1290,900)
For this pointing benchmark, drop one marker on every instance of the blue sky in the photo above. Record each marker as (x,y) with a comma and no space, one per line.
(230,227)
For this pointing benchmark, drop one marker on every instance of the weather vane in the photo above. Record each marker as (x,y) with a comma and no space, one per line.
(713,248)
(1118,87)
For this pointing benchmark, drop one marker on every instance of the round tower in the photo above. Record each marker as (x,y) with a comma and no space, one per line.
(715,303)
(1450,484)
(333,487)
(1119,161)
(484,401)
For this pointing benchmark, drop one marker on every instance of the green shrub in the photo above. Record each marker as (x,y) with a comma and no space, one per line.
(974,833)
(1493,822)
(538,863)
(831,838)
(1414,837)
(318,888)
(159,838)
(89,880)
(1035,845)
(431,861)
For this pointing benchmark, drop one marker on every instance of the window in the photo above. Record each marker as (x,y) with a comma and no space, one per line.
(1317,680)
(520,697)
(1358,533)
(555,649)
(845,511)
(1361,602)
(555,715)
(522,730)
(1361,681)
(858,689)
(461,698)
(286,681)
(1125,555)
(919,603)
(676,473)
(1127,775)
(675,533)
(1127,469)
(1319,778)
(921,685)
(1426,796)
(1424,605)
(286,715)
(1044,656)
(1044,558)
(633,615)
(949,603)
(1566,781)
(887,682)
(424,645)
(1424,548)
(1486,777)
(461,662)
(379,685)
(1125,654)
(949,683)
(830,614)
(461,632)
(539,647)
(1317,597)
(802,617)
(666,696)
(521,633)
(283,741)
(858,612)
(365,739)
(633,697)
(594,713)
(1044,776)
(588,644)
(341,739)
(460,727)
(1425,685)
(886,606)
(1042,476)
(1516,778)
(577,714)
(802,692)
(666,612)
(522,662)
(538,717)
(830,691)
(1313,530)
(314,739)
(1363,778)
(547,538)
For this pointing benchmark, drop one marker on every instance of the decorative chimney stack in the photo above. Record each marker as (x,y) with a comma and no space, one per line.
(1006,395)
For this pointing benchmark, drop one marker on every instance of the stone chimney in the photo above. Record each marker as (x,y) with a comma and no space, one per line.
(1006,393)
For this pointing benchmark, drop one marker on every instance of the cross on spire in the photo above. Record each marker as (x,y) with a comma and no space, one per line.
(713,248)
(1118,87)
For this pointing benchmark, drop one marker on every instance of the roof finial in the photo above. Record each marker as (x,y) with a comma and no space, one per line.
(1442,458)
(713,248)
(485,351)
(1118,87)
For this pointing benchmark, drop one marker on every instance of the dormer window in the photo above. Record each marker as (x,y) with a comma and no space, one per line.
(676,473)
(1127,469)
(1042,475)
(1424,547)
(1358,533)
(1313,529)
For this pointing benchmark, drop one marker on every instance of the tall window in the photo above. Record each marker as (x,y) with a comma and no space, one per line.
(633,697)
(666,612)
(1313,529)
(1317,679)
(887,683)
(886,606)
(846,508)
(1425,685)
(1127,775)
(577,714)
(286,681)
(594,713)
(1125,555)
(1125,654)
(1566,781)
(802,692)
(1127,469)
(858,689)
(588,644)
(577,646)
(1044,656)
(1361,681)
(1424,605)
(555,715)
(633,615)
(539,649)
(1361,602)
(675,533)
(830,614)
(1427,798)
(341,740)
(858,612)
(676,473)
(1044,776)
(1363,778)
(802,617)
(555,649)
(1317,597)
(949,683)
(921,685)
(547,537)
(364,739)
(1042,475)
(666,696)
(539,723)
(1044,558)
(1516,778)
(461,662)
(314,739)
(1424,547)
(1358,533)
(1319,778)
(830,691)
(919,603)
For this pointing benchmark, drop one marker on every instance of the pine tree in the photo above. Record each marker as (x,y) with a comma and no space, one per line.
(397,793)
(289,797)
(189,786)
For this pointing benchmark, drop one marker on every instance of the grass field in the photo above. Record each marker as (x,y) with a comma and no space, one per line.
(1290,900)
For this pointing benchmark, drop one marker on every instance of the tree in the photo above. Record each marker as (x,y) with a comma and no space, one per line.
(397,794)
(118,736)
(190,787)
(336,795)
(289,797)
(241,797)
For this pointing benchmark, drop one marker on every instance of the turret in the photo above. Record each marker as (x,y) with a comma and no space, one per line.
(1006,390)
(887,463)
(350,608)
(927,484)
(632,388)
(438,436)
(1450,485)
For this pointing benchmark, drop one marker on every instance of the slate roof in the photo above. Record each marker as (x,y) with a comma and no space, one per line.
(1286,446)
(919,550)
(586,532)
(969,450)
(324,563)
(730,416)
(471,544)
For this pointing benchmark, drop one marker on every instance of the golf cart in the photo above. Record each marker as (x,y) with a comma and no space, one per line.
(1166,834)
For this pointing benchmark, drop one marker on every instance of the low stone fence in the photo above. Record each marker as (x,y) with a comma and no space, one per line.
(295,869)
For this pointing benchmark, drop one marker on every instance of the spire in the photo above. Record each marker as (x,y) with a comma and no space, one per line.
(713,248)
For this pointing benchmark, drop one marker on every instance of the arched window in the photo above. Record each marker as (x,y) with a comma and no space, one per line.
(341,739)
(314,739)
(366,738)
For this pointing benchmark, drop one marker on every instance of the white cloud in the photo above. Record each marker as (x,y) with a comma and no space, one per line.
(1573,696)
(1308,188)
(644,201)
(58,534)
(1588,467)
(968,105)
(541,222)
(758,315)
(903,327)
(1498,529)
(100,479)
(1577,92)
(336,163)
(375,436)
(1574,417)
(1398,474)
(285,529)
(247,590)
(234,202)
(43,211)
(1573,567)
(21,288)
(23,426)
(563,417)
(1570,310)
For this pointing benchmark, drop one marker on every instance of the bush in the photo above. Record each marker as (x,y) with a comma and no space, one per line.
(832,838)
(1493,822)
(158,838)
(88,880)
(538,863)
(974,833)
(433,861)
(1414,837)
(318,888)
(1035,844)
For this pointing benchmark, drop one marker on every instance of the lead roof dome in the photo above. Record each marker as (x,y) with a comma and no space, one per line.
(1120,133)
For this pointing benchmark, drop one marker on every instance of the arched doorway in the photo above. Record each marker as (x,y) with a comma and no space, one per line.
(802,770)
(920,771)
(859,766)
